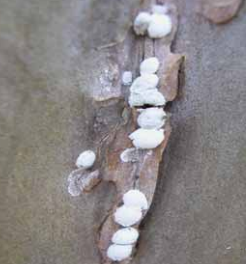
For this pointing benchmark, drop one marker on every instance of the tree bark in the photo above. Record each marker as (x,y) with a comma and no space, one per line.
(52,54)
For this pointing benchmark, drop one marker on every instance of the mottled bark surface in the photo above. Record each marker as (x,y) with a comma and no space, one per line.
(50,65)
(220,11)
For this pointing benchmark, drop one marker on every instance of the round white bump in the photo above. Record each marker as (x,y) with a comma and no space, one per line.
(149,65)
(125,236)
(127,216)
(160,26)
(141,23)
(144,82)
(147,97)
(86,159)
(127,78)
(152,118)
(135,198)
(119,252)
(147,138)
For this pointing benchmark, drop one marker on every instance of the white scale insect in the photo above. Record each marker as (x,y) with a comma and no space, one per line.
(86,159)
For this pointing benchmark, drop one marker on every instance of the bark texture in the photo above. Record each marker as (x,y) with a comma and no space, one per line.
(220,11)
(51,58)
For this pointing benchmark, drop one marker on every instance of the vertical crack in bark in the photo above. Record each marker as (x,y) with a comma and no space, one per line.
(141,174)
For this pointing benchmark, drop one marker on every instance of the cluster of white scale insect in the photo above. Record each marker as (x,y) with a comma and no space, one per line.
(149,135)
(129,214)
(157,24)
(143,91)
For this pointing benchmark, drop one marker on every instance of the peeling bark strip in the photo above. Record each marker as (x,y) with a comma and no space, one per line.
(142,172)
(220,11)
(127,167)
